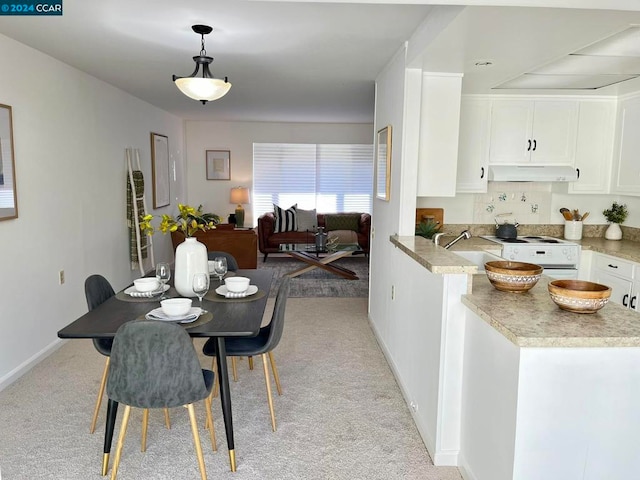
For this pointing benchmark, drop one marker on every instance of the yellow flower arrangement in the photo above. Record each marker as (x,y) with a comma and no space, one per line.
(189,221)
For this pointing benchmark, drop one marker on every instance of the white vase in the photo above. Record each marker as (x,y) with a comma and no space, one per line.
(614,232)
(191,258)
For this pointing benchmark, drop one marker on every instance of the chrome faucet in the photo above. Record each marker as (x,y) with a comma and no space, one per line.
(465,234)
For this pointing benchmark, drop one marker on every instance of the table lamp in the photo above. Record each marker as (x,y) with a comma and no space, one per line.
(239,195)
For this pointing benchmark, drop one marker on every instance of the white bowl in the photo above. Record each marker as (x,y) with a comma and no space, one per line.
(175,307)
(147,284)
(237,284)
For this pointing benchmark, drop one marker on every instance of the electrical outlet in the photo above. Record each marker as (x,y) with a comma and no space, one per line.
(61,277)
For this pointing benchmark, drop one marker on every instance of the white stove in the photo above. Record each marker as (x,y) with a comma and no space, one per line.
(559,258)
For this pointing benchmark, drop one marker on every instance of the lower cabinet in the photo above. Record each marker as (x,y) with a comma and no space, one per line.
(622,276)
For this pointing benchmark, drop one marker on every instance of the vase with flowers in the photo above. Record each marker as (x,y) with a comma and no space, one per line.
(615,215)
(191,255)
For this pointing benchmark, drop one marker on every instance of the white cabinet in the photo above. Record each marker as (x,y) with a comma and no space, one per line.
(594,146)
(473,145)
(439,127)
(533,132)
(626,172)
(619,275)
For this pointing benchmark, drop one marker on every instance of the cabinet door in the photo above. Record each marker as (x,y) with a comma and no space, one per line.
(594,146)
(511,127)
(473,145)
(554,132)
(620,288)
(626,178)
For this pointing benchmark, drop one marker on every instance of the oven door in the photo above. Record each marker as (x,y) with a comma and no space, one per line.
(561,273)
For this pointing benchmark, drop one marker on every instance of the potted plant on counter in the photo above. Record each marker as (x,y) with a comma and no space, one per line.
(615,215)
(428,228)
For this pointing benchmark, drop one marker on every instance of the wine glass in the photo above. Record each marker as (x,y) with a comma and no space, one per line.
(201,286)
(220,267)
(163,274)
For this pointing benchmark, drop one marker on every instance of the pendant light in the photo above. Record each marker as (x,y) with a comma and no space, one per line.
(204,88)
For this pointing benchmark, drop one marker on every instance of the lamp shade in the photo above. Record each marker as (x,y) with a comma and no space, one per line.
(239,195)
(199,88)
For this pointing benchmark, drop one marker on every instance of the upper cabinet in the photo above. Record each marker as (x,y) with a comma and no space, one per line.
(533,132)
(594,146)
(626,170)
(473,145)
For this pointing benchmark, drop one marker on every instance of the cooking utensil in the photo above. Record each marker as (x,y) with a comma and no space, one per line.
(566,213)
(584,217)
(507,230)
(576,215)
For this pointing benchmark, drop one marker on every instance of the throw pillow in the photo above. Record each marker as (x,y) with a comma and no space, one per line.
(307,220)
(342,221)
(285,219)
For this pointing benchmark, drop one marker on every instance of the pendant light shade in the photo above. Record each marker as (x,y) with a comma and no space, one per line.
(205,87)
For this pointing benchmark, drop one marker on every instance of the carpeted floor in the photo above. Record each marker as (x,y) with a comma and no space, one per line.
(341,415)
(319,282)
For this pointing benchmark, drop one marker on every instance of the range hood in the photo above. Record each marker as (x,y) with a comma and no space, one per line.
(527,173)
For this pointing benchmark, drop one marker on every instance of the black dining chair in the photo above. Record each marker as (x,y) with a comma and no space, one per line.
(232,263)
(98,290)
(262,344)
(154,365)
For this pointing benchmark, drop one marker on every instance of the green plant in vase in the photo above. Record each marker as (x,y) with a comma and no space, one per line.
(427,229)
(615,215)
(189,220)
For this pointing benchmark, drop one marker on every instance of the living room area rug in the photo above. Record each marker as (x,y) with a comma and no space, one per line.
(319,282)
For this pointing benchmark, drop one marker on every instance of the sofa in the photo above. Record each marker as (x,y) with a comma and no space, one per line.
(350,227)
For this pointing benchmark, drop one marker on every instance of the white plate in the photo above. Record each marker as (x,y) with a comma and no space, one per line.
(222,290)
(132,292)
(158,314)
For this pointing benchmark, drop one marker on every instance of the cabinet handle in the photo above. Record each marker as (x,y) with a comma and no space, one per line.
(481,172)
(534,145)
(529,146)
(624,300)
(612,266)
(632,304)
(578,170)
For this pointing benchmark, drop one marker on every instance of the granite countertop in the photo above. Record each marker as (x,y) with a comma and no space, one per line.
(531,319)
(624,249)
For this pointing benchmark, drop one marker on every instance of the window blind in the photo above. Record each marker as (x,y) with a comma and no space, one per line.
(330,178)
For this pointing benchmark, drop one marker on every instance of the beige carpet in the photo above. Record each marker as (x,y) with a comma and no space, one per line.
(341,415)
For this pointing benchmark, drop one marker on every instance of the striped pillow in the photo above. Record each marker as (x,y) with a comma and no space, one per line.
(285,219)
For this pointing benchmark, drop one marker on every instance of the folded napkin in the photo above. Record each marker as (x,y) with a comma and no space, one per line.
(144,294)
(158,314)
(236,294)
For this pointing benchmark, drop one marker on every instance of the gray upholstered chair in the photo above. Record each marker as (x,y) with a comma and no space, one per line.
(262,344)
(154,365)
(232,263)
(98,290)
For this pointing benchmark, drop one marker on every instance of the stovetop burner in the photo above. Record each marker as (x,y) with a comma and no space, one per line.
(512,240)
(529,239)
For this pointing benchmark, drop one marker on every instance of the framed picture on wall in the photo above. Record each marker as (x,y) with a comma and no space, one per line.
(218,165)
(160,170)
(383,164)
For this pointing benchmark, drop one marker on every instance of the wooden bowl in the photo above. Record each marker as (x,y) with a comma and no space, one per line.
(514,277)
(579,296)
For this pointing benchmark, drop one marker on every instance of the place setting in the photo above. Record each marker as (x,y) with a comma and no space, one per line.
(235,289)
(148,289)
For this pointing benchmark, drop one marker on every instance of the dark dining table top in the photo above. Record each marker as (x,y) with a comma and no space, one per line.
(230,319)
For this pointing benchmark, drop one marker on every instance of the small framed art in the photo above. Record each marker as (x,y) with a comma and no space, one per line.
(218,165)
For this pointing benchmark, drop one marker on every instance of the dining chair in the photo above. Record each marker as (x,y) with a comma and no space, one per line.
(155,365)
(232,263)
(262,344)
(98,290)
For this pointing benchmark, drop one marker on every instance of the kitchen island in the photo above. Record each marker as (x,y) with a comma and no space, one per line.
(508,386)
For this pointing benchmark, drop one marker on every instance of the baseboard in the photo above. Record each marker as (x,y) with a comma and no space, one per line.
(28,364)
(464,470)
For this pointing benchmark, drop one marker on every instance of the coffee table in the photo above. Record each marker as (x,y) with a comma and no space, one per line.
(314,258)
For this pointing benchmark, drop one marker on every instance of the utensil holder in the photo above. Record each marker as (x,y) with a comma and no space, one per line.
(573,230)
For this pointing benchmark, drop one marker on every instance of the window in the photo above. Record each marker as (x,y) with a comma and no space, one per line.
(329,178)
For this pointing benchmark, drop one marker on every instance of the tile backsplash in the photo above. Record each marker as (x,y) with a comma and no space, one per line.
(526,202)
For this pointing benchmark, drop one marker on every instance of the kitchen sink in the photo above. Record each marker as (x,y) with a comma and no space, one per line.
(478,257)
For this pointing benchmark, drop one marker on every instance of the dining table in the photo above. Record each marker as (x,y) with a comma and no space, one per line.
(225,317)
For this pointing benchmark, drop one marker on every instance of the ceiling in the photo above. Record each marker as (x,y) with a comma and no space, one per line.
(301,61)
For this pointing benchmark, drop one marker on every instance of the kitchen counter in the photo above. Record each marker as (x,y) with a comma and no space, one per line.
(624,249)
(511,314)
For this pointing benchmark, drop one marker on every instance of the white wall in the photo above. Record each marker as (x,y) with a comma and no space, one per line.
(70,135)
(238,137)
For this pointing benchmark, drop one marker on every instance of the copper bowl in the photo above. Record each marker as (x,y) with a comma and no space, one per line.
(514,277)
(579,296)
